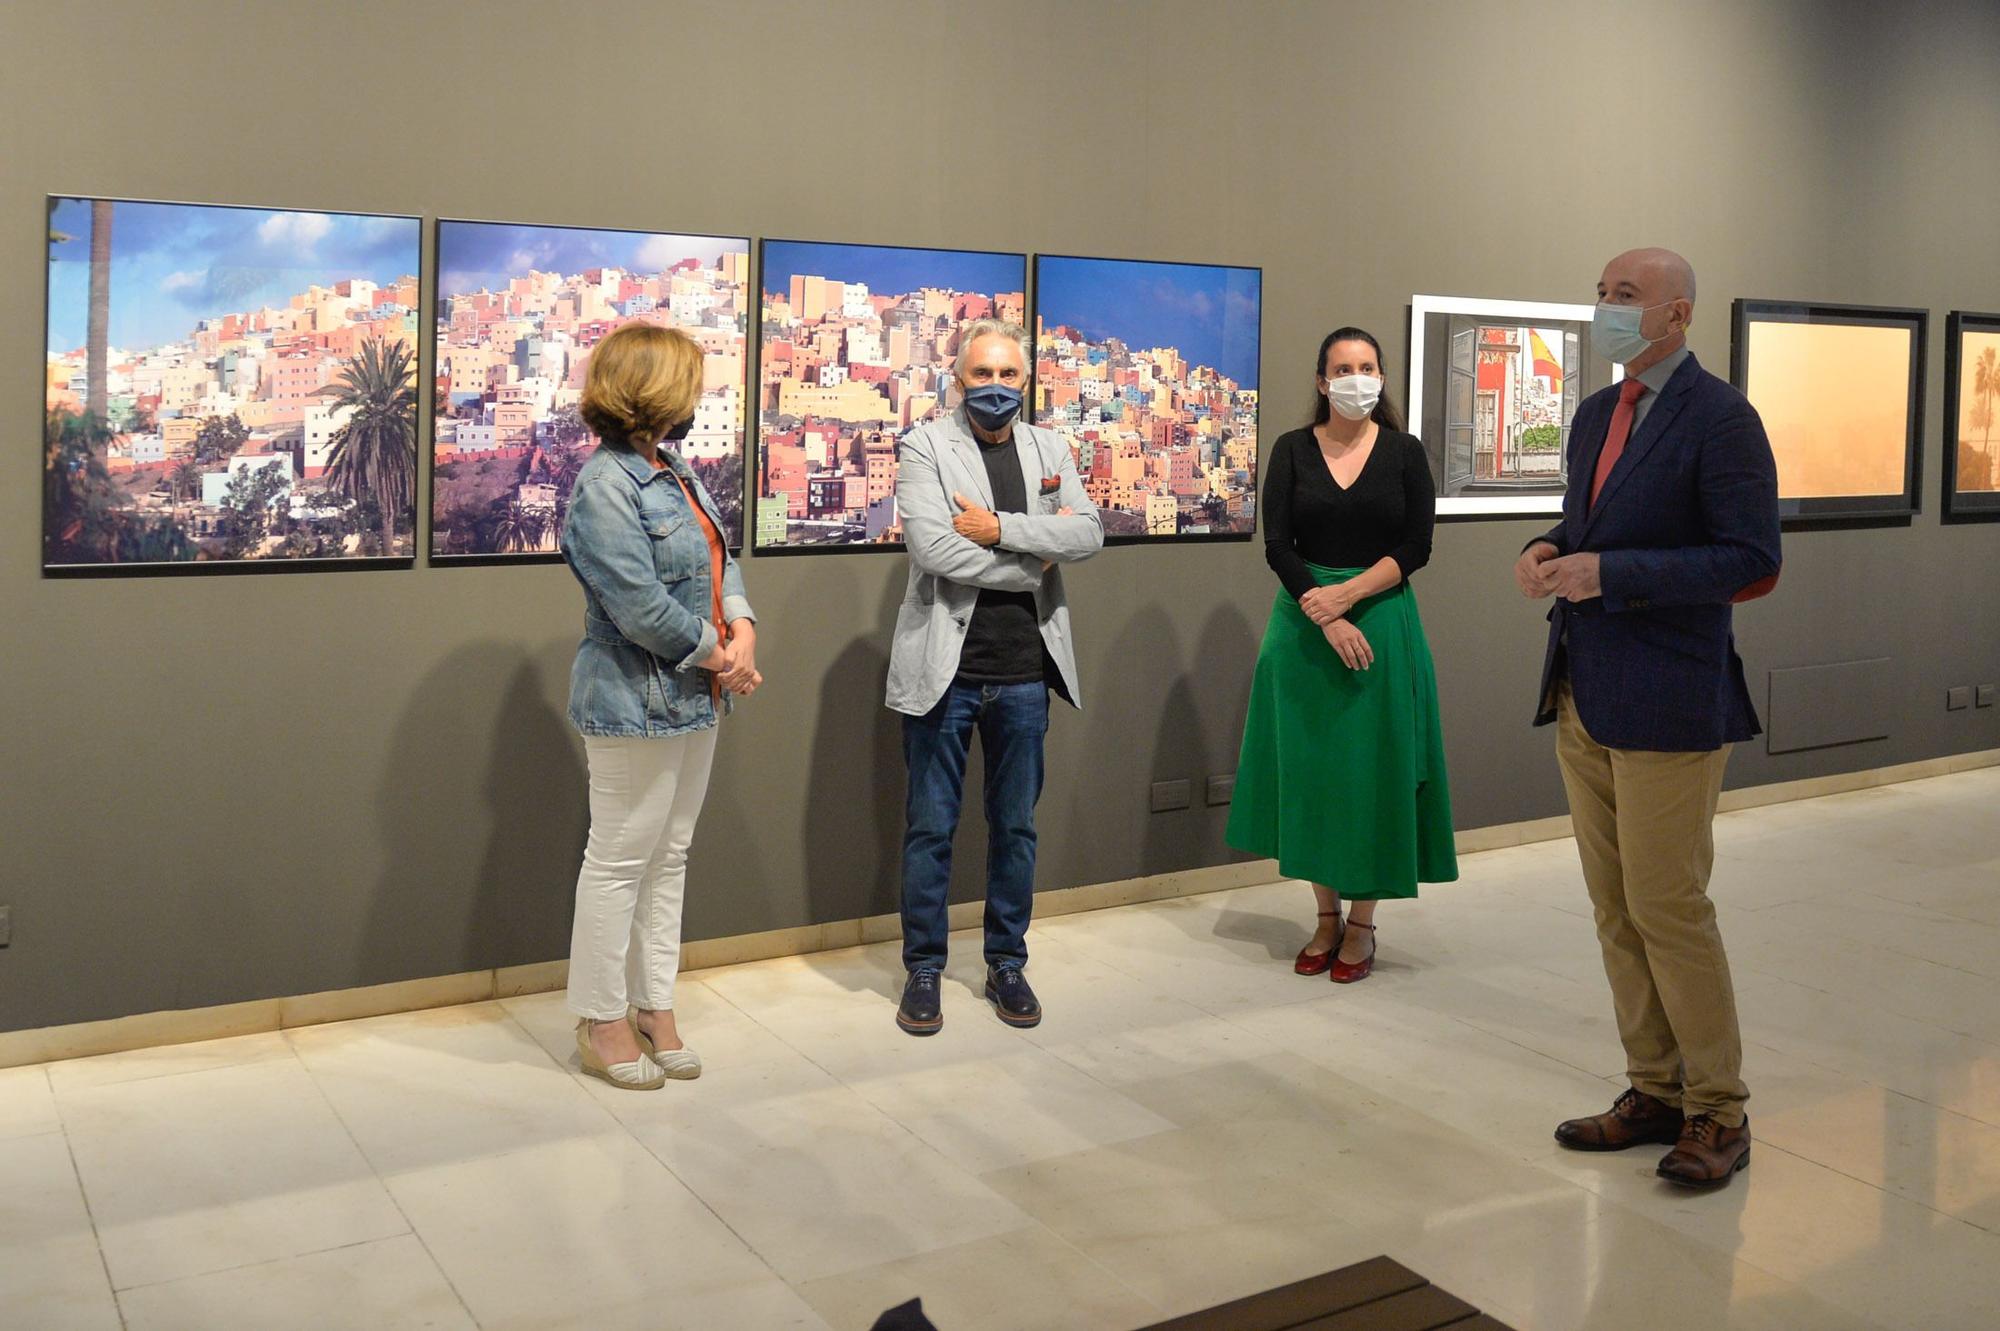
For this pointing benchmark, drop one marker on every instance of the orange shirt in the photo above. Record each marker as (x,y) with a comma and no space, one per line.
(717,554)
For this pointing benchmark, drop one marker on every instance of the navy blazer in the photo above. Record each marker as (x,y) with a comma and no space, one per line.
(1687,519)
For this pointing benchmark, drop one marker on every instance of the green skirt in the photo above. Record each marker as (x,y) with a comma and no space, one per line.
(1342,776)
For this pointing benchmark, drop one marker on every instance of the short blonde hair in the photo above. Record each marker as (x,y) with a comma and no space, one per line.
(643,380)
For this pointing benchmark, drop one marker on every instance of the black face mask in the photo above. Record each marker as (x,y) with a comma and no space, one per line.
(679,432)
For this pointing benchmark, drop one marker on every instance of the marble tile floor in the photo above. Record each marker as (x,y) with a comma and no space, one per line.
(1191,1123)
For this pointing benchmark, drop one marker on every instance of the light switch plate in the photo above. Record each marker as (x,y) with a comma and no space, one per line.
(1958,698)
(1221,789)
(1171,795)
(1984,698)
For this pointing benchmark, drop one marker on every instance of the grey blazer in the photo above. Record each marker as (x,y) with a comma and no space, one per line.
(947,571)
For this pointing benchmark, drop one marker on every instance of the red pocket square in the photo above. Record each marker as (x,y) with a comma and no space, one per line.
(1051,484)
(1761,587)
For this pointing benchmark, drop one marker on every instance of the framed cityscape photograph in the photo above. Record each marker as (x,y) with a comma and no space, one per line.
(519,308)
(1971,411)
(856,346)
(1841,392)
(228,388)
(1493,388)
(1150,372)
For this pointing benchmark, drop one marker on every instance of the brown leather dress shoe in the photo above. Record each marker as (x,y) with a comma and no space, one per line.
(1636,1119)
(1707,1155)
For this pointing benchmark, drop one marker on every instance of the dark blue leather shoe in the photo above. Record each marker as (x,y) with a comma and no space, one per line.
(1007,990)
(921,1012)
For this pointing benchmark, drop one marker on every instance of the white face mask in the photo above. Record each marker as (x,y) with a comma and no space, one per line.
(1354,395)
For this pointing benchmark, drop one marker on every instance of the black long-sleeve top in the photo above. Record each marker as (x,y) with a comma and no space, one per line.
(1388,511)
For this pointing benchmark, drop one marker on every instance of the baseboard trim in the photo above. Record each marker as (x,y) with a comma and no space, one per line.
(147,1029)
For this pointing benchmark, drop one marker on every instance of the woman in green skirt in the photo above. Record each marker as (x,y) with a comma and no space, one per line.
(1342,776)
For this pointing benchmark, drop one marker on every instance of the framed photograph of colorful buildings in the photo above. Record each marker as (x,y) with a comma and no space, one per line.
(519,308)
(1841,392)
(1971,411)
(856,346)
(1150,372)
(228,387)
(1493,388)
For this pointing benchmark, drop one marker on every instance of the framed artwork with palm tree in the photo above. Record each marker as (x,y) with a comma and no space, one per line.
(1971,413)
(519,308)
(1841,392)
(228,388)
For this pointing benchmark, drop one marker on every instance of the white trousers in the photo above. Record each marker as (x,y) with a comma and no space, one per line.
(625,947)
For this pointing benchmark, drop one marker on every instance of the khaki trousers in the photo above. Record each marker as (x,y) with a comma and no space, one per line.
(1645,830)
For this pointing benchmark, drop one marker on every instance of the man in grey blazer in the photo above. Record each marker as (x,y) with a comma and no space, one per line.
(991,508)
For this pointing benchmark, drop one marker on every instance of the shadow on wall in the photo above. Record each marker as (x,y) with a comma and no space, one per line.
(1105,768)
(1200,732)
(847,772)
(854,787)
(481,864)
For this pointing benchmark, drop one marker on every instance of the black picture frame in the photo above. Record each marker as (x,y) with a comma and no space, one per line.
(230,567)
(754,464)
(1889,507)
(1036,315)
(1958,505)
(440,255)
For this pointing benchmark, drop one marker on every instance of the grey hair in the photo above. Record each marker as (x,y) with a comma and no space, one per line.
(974,330)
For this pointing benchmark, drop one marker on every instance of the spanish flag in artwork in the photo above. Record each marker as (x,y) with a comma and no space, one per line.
(1545,362)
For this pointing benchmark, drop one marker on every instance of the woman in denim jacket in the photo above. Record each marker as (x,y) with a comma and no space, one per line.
(668,637)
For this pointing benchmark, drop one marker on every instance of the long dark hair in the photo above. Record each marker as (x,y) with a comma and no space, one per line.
(1385,414)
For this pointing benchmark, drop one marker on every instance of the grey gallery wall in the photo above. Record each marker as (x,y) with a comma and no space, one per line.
(222,788)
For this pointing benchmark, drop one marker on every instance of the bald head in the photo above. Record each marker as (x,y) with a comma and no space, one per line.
(1652,273)
(1661,283)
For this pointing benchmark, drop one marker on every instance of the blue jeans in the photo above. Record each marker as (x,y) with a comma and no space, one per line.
(1011,719)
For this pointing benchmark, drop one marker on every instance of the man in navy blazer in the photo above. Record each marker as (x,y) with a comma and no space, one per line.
(1671,517)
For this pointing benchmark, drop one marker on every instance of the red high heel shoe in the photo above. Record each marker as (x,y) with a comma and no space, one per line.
(1345,972)
(1314,963)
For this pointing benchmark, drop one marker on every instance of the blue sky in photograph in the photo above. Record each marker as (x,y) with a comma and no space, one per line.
(474,256)
(174,264)
(892,270)
(1207,313)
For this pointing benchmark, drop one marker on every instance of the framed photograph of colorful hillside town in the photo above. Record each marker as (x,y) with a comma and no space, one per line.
(1971,413)
(1493,388)
(519,308)
(856,344)
(1150,372)
(228,388)
(1841,392)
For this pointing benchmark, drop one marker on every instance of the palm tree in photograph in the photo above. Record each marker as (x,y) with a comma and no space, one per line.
(374,455)
(79,502)
(519,529)
(97,336)
(185,479)
(1985,388)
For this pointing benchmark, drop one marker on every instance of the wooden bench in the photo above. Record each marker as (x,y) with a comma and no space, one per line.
(1375,1295)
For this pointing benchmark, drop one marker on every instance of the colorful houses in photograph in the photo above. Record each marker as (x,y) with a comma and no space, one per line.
(519,309)
(857,346)
(208,369)
(1149,371)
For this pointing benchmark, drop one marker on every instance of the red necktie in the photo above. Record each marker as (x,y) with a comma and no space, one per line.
(1621,430)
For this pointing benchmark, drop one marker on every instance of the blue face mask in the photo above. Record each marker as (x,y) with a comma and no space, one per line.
(1614,331)
(992,406)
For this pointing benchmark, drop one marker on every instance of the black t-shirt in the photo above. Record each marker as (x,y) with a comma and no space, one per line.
(1388,511)
(1003,644)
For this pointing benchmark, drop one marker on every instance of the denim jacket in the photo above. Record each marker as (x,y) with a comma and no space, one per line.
(640,553)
